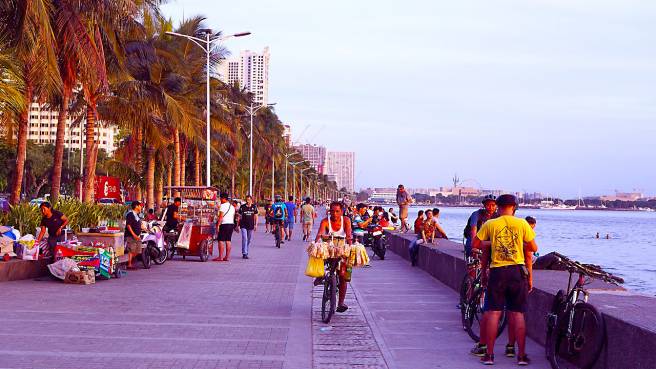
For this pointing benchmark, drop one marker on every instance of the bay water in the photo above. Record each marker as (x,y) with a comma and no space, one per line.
(630,251)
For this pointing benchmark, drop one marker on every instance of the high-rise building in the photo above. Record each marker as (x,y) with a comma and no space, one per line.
(42,129)
(251,71)
(342,166)
(287,134)
(316,155)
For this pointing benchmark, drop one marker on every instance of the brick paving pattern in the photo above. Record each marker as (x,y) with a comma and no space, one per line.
(347,341)
(183,314)
(260,313)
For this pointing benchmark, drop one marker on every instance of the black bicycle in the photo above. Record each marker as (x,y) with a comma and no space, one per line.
(277,232)
(330,286)
(576,329)
(472,300)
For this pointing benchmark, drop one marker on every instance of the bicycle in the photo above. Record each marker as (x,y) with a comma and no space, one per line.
(277,232)
(472,299)
(330,286)
(575,328)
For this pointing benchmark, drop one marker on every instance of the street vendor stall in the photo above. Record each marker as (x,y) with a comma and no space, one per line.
(198,209)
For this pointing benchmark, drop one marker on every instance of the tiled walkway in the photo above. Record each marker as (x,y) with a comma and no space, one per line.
(259,313)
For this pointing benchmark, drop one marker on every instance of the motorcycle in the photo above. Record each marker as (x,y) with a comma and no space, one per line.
(154,249)
(376,239)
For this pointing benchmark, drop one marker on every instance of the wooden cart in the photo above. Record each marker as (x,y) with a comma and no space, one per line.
(198,209)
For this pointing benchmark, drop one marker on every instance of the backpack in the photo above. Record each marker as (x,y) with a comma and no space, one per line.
(278,212)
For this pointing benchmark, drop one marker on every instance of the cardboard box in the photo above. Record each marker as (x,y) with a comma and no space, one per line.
(81,277)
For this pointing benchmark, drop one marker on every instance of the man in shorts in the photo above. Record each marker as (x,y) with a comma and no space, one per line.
(291,217)
(132,231)
(226,224)
(509,281)
(308,214)
(403,199)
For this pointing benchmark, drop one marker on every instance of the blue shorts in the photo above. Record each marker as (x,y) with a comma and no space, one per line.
(289,224)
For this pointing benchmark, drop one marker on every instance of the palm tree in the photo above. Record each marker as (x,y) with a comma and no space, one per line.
(12,101)
(26,26)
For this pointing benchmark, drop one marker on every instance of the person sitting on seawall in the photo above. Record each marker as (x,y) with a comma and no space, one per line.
(393,217)
(384,221)
(439,231)
(414,245)
(55,222)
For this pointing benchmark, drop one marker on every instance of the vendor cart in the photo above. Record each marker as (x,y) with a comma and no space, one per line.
(198,210)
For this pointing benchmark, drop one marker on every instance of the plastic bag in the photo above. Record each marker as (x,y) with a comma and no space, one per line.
(315,267)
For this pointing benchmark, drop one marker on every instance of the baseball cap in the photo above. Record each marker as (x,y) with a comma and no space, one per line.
(506,199)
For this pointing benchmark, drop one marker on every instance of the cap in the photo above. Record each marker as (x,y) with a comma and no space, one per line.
(506,199)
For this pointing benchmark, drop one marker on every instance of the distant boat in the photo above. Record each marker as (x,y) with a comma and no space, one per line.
(549,205)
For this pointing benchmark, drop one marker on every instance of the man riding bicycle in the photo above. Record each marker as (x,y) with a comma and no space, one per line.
(279,215)
(337,228)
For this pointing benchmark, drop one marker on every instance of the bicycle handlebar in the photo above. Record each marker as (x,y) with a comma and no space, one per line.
(589,270)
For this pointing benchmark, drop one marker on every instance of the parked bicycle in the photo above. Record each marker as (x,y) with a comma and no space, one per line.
(575,329)
(330,286)
(472,299)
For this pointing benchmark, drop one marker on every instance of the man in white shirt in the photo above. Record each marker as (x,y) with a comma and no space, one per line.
(226,224)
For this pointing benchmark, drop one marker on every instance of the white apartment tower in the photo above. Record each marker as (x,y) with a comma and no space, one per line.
(342,166)
(42,129)
(251,71)
(316,155)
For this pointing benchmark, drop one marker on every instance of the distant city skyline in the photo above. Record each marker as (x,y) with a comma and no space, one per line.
(547,96)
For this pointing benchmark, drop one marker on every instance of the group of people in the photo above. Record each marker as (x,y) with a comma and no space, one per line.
(427,229)
(283,215)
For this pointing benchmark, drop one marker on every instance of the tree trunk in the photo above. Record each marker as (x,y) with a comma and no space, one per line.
(183,161)
(159,191)
(138,139)
(176,157)
(197,179)
(90,168)
(59,146)
(150,178)
(169,175)
(21,151)
(232,183)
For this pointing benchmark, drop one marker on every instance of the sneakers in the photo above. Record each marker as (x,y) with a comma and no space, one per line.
(523,360)
(245,256)
(510,350)
(479,350)
(488,359)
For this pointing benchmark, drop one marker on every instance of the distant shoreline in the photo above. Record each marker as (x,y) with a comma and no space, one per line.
(394,205)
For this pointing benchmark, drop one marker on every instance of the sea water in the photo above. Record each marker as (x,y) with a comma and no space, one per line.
(630,251)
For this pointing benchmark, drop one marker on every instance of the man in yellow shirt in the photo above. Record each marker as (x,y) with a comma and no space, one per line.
(509,279)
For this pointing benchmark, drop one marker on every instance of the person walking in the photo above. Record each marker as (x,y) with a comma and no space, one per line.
(404,200)
(225,224)
(54,221)
(509,281)
(308,214)
(248,224)
(291,217)
(132,231)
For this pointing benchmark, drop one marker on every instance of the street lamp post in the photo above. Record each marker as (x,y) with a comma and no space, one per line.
(302,171)
(206,45)
(286,164)
(294,177)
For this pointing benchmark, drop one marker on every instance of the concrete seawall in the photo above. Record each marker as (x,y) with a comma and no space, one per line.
(630,317)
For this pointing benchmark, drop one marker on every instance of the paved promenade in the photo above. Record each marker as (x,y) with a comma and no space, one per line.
(260,313)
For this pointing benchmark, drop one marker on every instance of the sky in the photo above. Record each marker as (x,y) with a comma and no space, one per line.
(551,96)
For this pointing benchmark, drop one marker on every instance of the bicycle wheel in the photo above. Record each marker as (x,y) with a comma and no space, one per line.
(465,288)
(329,300)
(471,314)
(580,347)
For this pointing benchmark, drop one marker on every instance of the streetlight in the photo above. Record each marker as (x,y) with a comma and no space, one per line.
(302,171)
(294,177)
(206,45)
(286,164)
(251,110)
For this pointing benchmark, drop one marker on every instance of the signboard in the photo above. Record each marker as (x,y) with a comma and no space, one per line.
(108,187)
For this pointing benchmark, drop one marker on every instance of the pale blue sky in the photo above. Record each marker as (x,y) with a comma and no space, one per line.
(541,95)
